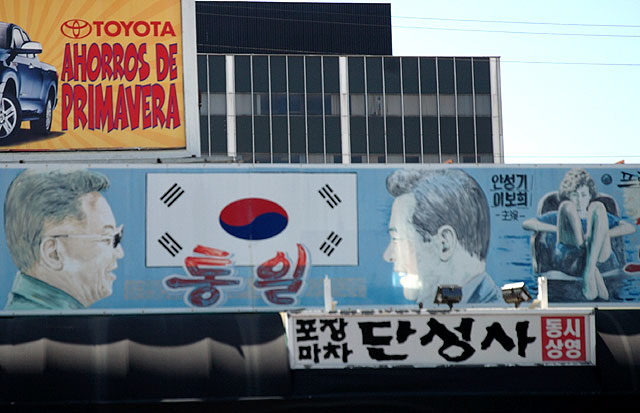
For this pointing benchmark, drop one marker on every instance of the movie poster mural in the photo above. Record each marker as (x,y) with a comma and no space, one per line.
(91,75)
(137,238)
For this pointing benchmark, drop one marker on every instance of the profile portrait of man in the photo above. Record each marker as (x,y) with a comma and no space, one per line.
(439,234)
(63,238)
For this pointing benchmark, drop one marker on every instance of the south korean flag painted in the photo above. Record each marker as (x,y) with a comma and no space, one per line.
(252,216)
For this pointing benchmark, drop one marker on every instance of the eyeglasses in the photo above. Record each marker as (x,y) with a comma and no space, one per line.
(114,239)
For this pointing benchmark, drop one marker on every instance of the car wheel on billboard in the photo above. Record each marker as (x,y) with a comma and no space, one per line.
(42,126)
(9,116)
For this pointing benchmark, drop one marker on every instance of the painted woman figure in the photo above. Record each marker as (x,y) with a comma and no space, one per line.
(583,228)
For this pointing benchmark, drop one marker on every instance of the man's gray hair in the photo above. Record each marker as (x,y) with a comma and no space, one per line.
(446,197)
(38,197)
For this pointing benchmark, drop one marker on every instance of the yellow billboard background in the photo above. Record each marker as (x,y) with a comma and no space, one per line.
(42,20)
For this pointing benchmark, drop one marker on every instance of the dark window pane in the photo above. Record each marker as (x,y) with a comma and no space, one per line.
(356,75)
(279,104)
(260,74)
(483,130)
(298,158)
(243,134)
(376,135)
(412,159)
(410,74)
(374,74)
(314,104)
(448,136)
(445,75)
(481,75)
(280,158)
(280,135)
(316,135)
(412,135)
(296,104)
(358,135)
(217,74)
(262,134)
(278,74)
(204,135)
(332,135)
(203,104)
(298,134)
(331,75)
(394,136)
(463,75)
(202,73)
(428,75)
(219,134)
(314,74)
(243,74)
(430,135)
(296,74)
(465,136)
(392,74)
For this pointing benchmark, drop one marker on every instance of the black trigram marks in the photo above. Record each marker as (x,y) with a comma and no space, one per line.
(170,244)
(331,243)
(330,197)
(172,194)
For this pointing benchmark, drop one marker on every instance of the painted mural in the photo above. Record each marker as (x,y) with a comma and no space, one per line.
(136,238)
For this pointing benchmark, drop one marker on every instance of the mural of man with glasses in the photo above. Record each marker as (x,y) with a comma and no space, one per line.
(63,238)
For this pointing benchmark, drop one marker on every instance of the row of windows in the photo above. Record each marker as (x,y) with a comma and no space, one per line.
(287,108)
(320,74)
(315,104)
(262,104)
(417,105)
(427,138)
(358,158)
(426,75)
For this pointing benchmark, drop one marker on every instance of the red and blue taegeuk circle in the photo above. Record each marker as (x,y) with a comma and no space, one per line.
(253,219)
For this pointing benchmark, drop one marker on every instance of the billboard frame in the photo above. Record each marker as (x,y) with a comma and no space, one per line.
(347,301)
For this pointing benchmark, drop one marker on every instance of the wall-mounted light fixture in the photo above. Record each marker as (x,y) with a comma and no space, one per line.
(448,294)
(515,293)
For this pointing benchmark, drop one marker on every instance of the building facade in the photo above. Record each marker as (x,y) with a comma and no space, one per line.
(251,27)
(350,109)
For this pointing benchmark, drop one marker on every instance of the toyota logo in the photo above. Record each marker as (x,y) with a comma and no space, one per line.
(76,28)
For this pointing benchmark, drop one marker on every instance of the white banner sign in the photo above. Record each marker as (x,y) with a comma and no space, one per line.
(496,337)
(251,216)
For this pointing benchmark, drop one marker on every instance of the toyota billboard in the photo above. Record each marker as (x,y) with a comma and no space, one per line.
(93,75)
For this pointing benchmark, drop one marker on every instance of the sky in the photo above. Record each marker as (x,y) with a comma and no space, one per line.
(570,69)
